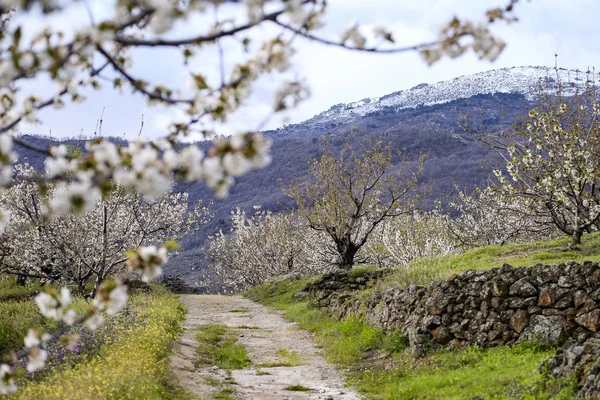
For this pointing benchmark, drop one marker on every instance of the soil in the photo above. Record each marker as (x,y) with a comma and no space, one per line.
(269,339)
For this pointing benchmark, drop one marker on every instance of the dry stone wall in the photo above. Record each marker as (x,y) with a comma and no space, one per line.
(501,306)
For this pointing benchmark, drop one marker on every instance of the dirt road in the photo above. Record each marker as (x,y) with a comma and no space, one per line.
(271,342)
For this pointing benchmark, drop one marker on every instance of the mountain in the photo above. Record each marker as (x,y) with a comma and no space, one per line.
(420,120)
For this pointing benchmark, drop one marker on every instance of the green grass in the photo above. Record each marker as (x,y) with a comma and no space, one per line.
(297,388)
(497,373)
(380,367)
(556,251)
(133,366)
(290,359)
(9,290)
(225,394)
(240,310)
(17,316)
(218,346)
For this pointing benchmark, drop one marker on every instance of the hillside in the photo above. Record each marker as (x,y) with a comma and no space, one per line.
(418,120)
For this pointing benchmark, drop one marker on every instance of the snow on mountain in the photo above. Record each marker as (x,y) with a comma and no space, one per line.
(522,80)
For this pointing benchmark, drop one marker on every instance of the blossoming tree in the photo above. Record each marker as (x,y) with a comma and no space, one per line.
(261,246)
(75,249)
(349,196)
(553,161)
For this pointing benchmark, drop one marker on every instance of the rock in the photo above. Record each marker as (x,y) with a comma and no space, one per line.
(577,364)
(441,335)
(523,288)
(519,321)
(499,288)
(522,303)
(589,320)
(545,329)
(301,295)
(579,298)
(548,296)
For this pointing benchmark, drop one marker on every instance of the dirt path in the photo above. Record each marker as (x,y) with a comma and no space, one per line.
(269,339)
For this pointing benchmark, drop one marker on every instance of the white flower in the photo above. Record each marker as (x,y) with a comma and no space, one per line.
(106,155)
(116,300)
(212,170)
(51,306)
(149,260)
(26,61)
(47,304)
(32,339)
(58,166)
(191,160)
(37,359)
(70,341)
(4,220)
(76,197)
(236,164)
(70,317)
(7,380)
(94,321)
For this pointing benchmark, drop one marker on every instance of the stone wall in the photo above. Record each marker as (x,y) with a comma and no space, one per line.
(550,303)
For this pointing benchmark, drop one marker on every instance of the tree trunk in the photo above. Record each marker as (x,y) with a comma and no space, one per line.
(21,279)
(96,286)
(576,237)
(347,251)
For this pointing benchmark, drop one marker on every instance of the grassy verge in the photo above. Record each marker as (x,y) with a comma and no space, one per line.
(380,367)
(133,366)
(423,271)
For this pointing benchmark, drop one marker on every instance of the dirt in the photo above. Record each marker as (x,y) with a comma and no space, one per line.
(269,339)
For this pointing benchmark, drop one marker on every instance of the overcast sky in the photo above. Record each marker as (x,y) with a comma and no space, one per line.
(568,28)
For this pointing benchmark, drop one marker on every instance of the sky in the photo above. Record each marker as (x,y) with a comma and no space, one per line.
(546,28)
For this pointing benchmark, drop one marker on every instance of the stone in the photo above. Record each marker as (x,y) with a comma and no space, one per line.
(548,296)
(506,268)
(301,295)
(545,329)
(499,288)
(564,302)
(587,306)
(523,288)
(441,335)
(521,302)
(496,303)
(579,298)
(493,335)
(590,320)
(564,282)
(519,321)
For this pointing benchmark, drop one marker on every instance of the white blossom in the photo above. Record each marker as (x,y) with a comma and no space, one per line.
(94,321)
(37,359)
(7,380)
(75,197)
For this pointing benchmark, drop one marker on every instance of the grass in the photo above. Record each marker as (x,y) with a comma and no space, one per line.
(218,346)
(225,394)
(240,310)
(17,316)
(9,290)
(297,388)
(133,366)
(379,366)
(556,251)
(497,373)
